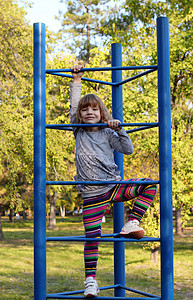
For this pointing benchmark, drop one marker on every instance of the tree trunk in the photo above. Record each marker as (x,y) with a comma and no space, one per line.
(24,213)
(62,211)
(1,230)
(88,46)
(154,255)
(52,221)
(11,215)
(179,229)
(29,213)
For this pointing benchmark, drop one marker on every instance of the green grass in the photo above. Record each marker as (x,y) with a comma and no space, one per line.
(65,267)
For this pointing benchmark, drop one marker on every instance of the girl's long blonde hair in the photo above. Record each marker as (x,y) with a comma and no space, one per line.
(92,100)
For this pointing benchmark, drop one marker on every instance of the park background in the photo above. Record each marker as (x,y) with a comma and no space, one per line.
(87,29)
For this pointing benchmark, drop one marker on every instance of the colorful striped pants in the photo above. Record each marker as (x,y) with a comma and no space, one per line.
(94,209)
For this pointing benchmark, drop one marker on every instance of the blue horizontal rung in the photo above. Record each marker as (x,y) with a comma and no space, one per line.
(59,296)
(141,128)
(135,77)
(60,73)
(104,69)
(82,291)
(102,239)
(139,292)
(101,182)
(59,126)
(82,78)
(102,236)
(69,295)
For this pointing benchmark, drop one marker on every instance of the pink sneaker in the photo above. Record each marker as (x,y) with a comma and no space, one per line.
(132,230)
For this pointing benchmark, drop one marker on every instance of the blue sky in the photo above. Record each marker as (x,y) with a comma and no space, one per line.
(44,11)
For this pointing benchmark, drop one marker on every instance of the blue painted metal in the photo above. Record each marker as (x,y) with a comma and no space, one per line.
(135,77)
(112,68)
(59,73)
(56,126)
(118,208)
(70,295)
(99,182)
(60,296)
(66,126)
(82,291)
(102,239)
(39,164)
(82,78)
(62,238)
(166,220)
(141,128)
(167,292)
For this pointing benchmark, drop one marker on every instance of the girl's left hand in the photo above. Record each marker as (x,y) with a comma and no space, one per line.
(76,73)
(114,124)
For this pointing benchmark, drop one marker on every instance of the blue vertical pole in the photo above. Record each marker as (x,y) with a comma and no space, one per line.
(118,210)
(39,163)
(165,159)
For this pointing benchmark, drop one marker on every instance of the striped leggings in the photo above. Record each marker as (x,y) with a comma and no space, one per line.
(94,209)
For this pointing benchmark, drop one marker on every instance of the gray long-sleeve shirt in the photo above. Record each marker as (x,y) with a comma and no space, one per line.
(95,151)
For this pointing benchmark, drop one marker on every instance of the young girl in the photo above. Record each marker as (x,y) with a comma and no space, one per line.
(95,162)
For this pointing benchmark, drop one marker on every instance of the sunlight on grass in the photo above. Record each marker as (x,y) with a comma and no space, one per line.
(65,264)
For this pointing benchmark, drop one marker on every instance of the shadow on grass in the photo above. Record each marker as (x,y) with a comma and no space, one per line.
(74,219)
(17,287)
(67,274)
(128,262)
(75,282)
(17,223)
(183,243)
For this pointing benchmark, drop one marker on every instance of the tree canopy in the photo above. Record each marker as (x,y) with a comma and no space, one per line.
(90,27)
(16,106)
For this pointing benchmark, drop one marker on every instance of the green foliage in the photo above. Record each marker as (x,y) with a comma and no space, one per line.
(15,41)
(132,25)
(80,23)
(135,28)
(16,106)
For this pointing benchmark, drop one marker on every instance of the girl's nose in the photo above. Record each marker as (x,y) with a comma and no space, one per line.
(90,110)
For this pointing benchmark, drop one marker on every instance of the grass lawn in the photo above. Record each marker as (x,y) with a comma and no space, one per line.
(65,268)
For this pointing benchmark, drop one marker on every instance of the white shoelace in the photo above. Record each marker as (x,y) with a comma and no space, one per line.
(131,223)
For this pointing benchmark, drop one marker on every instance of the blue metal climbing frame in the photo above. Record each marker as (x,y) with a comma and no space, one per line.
(165,164)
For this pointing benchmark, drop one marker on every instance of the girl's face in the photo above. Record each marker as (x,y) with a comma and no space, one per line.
(90,114)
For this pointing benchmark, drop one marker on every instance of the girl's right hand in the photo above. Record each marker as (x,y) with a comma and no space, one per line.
(114,124)
(76,73)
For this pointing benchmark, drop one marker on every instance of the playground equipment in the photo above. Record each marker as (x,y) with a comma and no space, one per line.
(165,168)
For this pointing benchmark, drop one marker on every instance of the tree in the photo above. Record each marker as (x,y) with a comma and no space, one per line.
(16,113)
(133,25)
(16,105)
(80,25)
(1,230)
